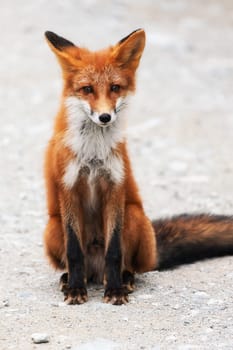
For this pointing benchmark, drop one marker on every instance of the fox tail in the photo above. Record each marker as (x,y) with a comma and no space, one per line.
(187,238)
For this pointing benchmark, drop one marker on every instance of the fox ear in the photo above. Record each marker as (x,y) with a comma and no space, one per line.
(66,52)
(56,42)
(128,51)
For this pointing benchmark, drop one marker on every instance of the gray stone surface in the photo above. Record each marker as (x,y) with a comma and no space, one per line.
(180,131)
(39,338)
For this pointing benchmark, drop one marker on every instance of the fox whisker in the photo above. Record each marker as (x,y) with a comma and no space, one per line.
(121,107)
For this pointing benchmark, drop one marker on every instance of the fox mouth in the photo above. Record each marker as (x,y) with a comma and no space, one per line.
(105,125)
(89,123)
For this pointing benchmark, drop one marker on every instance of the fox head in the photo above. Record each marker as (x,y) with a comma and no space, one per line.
(99,81)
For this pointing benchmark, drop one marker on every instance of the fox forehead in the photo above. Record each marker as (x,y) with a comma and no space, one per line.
(101,75)
(95,67)
(91,60)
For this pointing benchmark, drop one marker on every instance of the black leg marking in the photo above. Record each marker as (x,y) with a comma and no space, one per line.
(73,283)
(114,291)
(63,281)
(113,260)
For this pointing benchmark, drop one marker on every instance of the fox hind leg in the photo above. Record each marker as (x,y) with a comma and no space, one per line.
(139,241)
(54,242)
(63,282)
(128,281)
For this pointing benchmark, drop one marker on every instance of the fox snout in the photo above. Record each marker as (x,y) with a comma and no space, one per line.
(80,110)
(107,115)
(103,118)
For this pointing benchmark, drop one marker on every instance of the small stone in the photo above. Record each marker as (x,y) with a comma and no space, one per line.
(214,301)
(145,296)
(178,167)
(54,304)
(194,312)
(62,304)
(209,330)
(23,196)
(39,338)
(138,326)
(201,294)
(172,338)
(155,304)
(5,303)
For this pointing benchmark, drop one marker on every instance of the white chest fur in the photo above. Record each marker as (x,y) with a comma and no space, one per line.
(92,145)
(112,167)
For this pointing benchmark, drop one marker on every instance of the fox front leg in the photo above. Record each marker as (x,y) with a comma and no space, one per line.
(73,284)
(115,293)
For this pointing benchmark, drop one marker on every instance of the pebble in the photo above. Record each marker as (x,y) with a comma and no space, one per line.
(178,167)
(194,312)
(214,301)
(39,338)
(62,304)
(209,330)
(201,295)
(4,303)
(145,296)
(187,347)
(54,304)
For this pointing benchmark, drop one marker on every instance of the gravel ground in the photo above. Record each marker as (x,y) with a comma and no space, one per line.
(180,139)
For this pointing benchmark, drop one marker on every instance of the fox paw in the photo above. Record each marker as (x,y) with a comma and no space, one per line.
(116,296)
(72,296)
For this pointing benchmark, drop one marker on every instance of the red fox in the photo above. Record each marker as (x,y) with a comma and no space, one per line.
(97,229)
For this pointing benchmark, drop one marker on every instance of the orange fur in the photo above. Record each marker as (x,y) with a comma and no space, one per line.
(92,195)
(80,67)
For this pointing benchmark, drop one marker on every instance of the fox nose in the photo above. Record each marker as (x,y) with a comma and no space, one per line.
(105,118)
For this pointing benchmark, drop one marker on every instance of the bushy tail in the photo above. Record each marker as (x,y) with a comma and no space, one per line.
(186,238)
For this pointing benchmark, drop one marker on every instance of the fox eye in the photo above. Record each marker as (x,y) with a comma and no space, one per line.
(88,89)
(115,88)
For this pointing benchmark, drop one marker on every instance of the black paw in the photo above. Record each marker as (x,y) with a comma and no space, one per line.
(116,296)
(72,296)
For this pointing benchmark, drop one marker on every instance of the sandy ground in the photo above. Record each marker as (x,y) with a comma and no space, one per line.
(180,139)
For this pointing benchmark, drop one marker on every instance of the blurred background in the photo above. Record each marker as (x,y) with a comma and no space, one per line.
(180,137)
(180,122)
